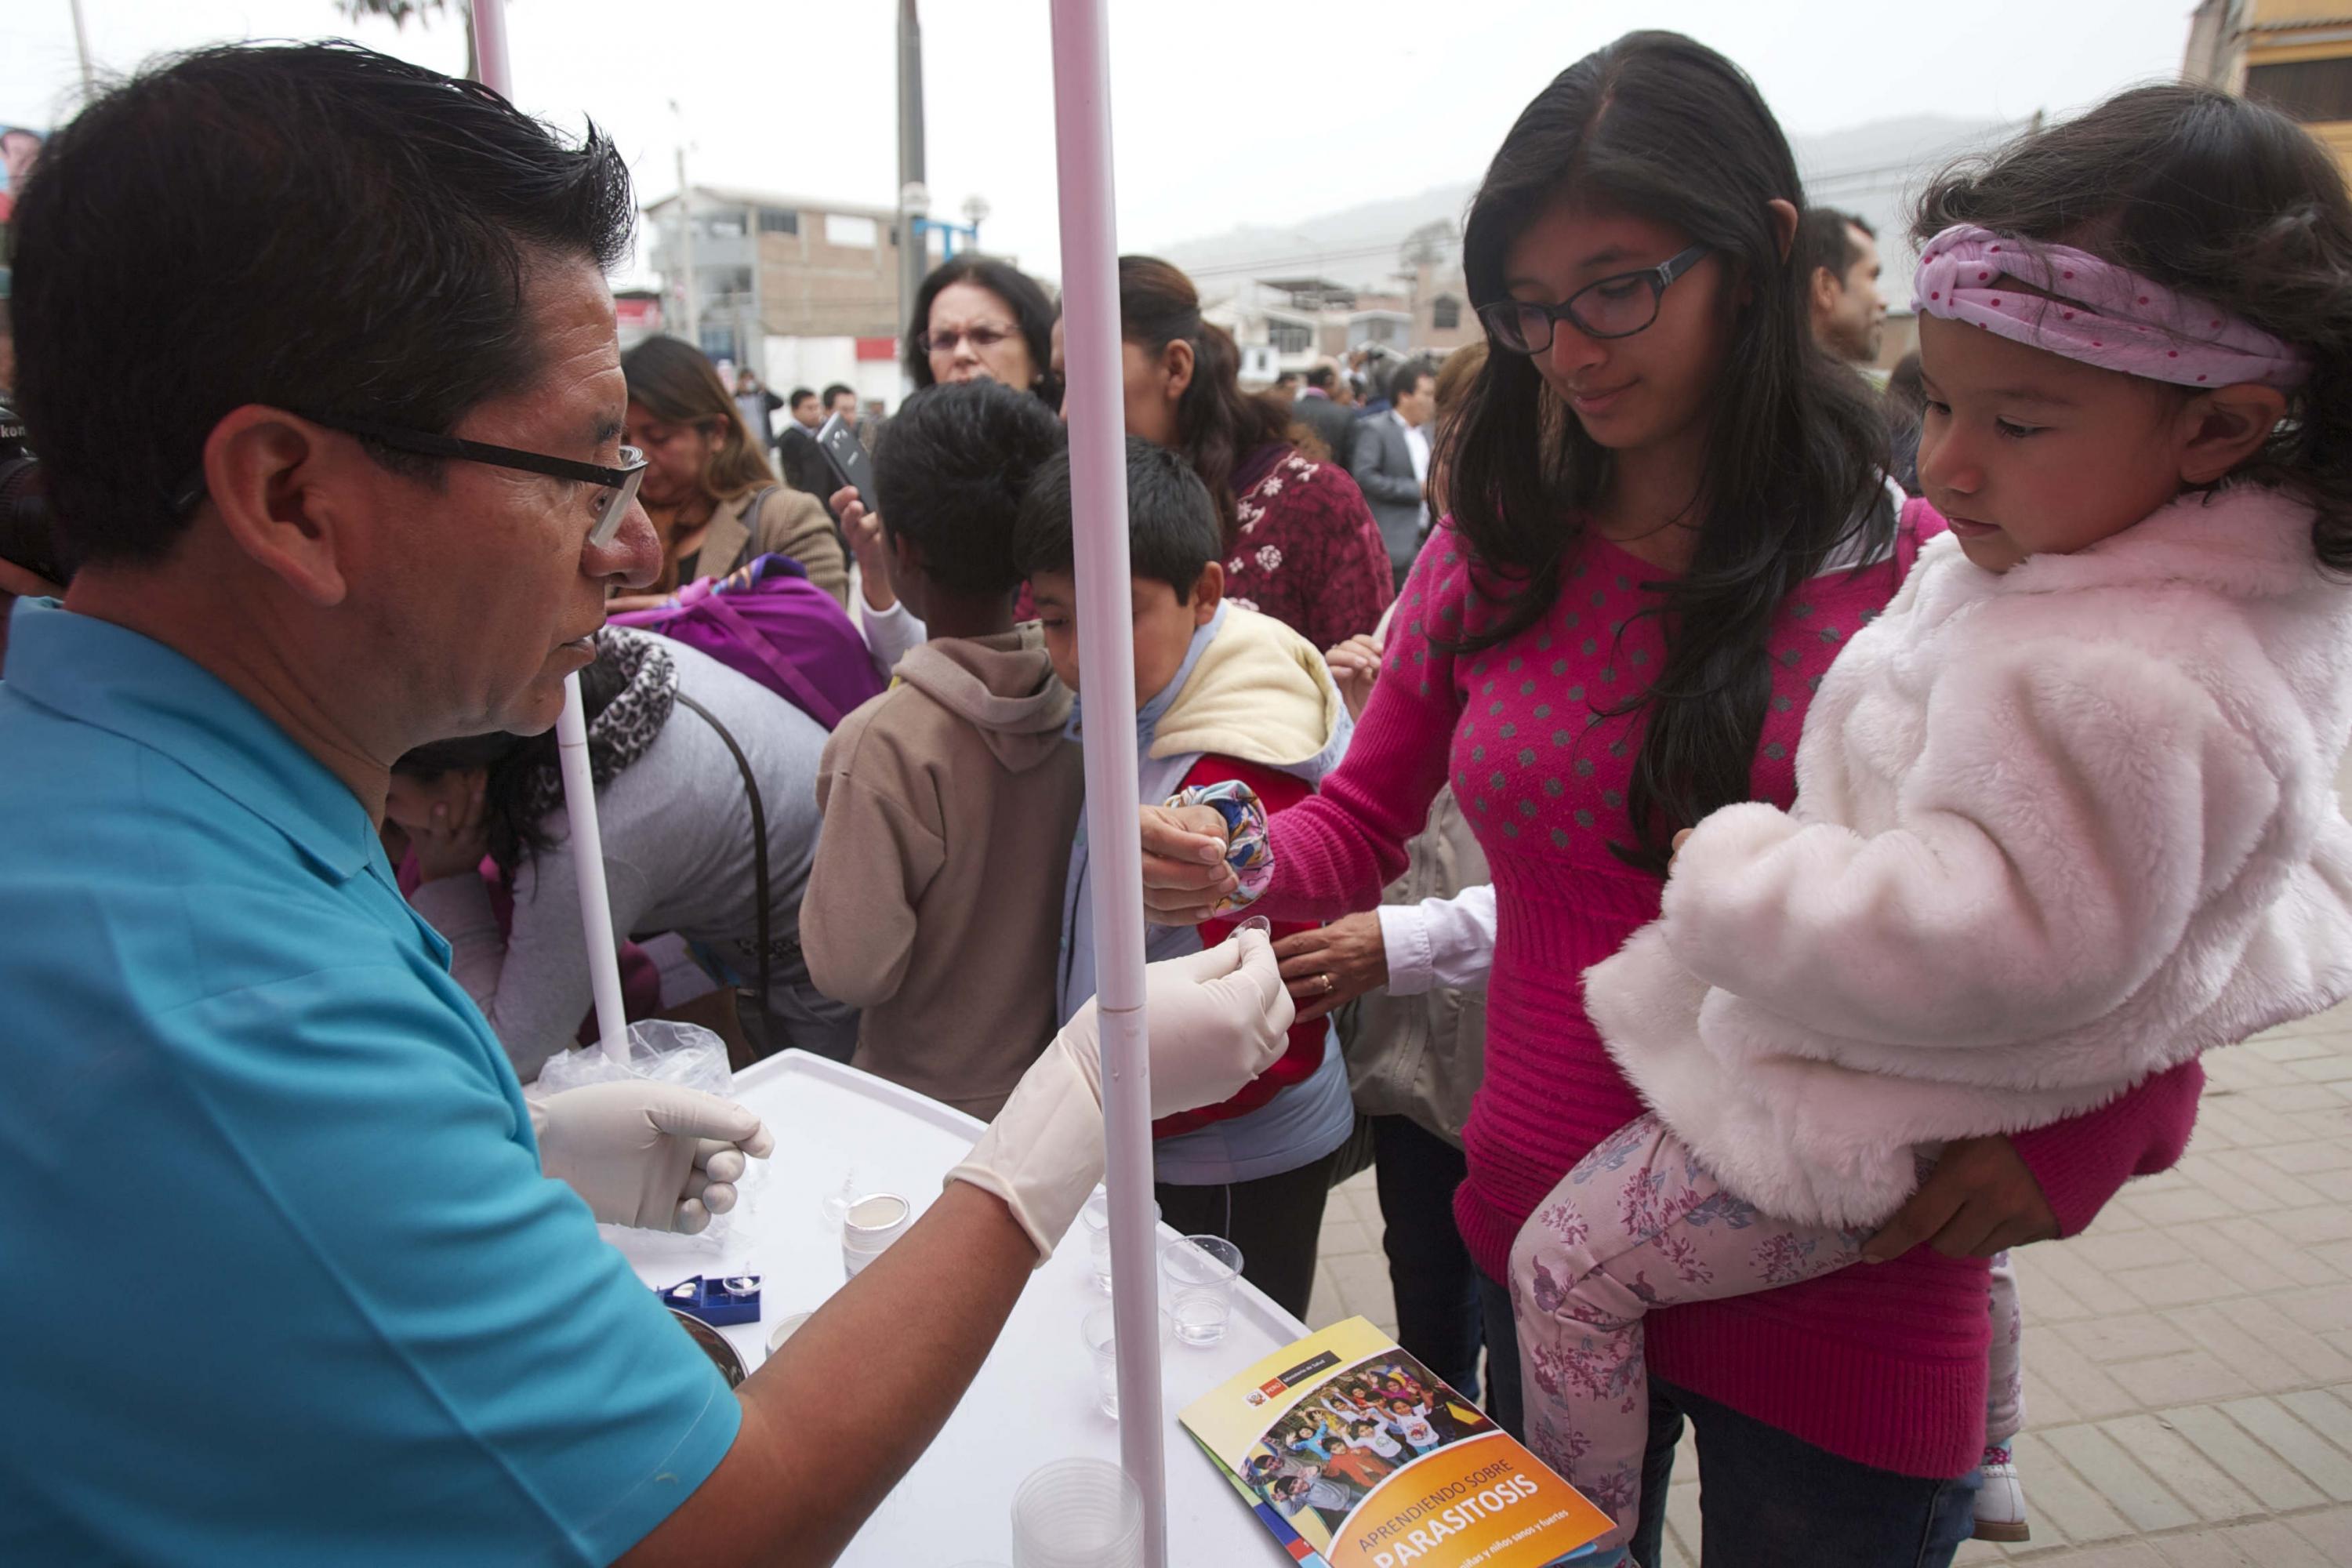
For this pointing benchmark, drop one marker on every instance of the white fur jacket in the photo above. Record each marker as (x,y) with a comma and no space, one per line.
(2055,831)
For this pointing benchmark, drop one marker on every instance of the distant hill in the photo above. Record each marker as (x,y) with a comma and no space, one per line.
(1873,170)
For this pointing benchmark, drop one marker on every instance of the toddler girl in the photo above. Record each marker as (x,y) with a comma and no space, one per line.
(2065,814)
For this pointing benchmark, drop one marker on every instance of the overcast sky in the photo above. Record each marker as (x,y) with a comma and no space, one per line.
(1224,110)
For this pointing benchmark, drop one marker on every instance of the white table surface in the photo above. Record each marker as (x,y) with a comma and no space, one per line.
(1034,1401)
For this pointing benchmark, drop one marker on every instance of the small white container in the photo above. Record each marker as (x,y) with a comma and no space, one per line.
(872,1224)
(786,1329)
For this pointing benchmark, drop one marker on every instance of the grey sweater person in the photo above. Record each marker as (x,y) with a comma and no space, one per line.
(678,857)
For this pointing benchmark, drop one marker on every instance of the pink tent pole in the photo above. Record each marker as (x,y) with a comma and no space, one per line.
(1107,655)
(495,68)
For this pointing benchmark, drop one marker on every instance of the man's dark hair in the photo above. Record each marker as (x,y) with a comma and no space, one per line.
(949,473)
(834,391)
(1825,239)
(1407,376)
(1171,523)
(798,393)
(318,227)
(1285,378)
(1319,377)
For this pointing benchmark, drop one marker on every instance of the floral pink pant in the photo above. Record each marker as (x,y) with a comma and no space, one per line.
(1639,1224)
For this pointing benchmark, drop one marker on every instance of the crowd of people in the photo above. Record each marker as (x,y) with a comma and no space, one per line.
(1721,820)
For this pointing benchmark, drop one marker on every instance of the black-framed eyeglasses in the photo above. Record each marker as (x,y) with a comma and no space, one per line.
(1615,307)
(616,488)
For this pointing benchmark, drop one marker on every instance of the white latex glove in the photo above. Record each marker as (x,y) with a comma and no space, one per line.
(647,1154)
(1218,1018)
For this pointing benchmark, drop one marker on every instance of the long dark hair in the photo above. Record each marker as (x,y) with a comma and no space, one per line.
(1033,312)
(1217,424)
(1657,125)
(509,762)
(2226,200)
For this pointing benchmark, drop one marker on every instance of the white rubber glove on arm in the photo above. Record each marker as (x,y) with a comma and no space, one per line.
(648,1154)
(1219,1018)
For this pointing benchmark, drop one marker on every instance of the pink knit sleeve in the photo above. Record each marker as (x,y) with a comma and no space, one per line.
(2082,1162)
(1335,852)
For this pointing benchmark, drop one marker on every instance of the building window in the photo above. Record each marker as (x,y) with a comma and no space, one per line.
(2314,92)
(1379,331)
(1290,338)
(1445,314)
(851,232)
(723,225)
(776,220)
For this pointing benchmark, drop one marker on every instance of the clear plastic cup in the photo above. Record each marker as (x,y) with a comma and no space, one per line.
(872,1224)
(1096,1216)
(1198,1273)
(1102,1347)
(1078,1513)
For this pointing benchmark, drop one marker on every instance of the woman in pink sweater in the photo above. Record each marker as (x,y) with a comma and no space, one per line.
(1668,515)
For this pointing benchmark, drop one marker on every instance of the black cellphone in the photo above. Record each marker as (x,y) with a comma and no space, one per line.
(847,458)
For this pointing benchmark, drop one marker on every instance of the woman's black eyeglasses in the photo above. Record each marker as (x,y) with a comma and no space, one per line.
(1615,307)
(619,486)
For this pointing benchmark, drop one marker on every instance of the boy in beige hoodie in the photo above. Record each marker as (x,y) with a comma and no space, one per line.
(950,800)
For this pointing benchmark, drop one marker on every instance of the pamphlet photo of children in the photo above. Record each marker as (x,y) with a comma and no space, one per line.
(1326,1455)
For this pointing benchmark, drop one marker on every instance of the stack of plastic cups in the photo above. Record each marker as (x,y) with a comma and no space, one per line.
(870,1226)
(1078,1513)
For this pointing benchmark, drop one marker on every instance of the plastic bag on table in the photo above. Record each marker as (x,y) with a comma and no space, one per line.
(661,1050)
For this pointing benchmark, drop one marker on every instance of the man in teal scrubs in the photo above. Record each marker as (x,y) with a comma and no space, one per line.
(286,1279)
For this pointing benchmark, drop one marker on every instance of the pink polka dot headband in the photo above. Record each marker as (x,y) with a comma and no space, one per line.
(2095,311)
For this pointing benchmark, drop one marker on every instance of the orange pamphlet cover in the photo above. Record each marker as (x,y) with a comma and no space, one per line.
(1354,1455)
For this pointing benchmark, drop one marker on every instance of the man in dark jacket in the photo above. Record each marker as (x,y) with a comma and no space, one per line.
(1323,408)
(1391,462)
(797,453)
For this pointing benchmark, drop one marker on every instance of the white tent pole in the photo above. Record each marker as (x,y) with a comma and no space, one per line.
(495,68)
(1107,655)
(588,862)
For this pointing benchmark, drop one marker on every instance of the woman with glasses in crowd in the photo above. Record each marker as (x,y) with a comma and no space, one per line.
(715,502)
(1618,630)
(975,319)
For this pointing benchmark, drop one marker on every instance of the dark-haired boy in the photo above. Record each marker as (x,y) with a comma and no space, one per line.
(951,799)
(1221,693)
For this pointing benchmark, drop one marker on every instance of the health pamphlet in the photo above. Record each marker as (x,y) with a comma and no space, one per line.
(1354,1455)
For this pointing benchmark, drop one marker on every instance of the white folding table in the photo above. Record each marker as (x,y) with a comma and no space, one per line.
(1034,1400)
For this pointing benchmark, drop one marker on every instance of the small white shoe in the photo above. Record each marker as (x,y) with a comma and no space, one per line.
(2000,1501)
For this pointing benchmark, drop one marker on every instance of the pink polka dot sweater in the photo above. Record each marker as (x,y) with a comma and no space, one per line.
(1884,1364)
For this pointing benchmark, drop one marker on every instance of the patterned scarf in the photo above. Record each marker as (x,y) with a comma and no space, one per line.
(629,723)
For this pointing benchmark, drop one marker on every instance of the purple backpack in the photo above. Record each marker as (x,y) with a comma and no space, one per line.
(767,620)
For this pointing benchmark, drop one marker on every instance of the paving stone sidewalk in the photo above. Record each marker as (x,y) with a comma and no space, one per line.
(2189,1359)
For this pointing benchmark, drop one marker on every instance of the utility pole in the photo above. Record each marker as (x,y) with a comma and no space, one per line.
(687,300)
(81,53)
(914,200)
